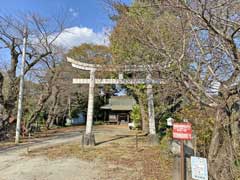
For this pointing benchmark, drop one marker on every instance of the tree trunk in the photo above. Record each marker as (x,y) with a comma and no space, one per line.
(35,114)
(2,104)
(52,111)
(220,155)
(1,91)
(8,103)
(12,91)
(42,100)
(1,101)
(235,120)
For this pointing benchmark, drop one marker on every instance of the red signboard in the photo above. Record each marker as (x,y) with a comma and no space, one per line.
(182,131)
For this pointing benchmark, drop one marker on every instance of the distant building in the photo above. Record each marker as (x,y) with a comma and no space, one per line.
(79,120)
(118,110)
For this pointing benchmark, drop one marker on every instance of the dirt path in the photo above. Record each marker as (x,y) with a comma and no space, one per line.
(62,157)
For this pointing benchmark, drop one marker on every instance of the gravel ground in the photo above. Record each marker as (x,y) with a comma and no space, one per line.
(32,161)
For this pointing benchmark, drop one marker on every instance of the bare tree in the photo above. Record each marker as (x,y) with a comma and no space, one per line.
(210,74)
(197,45)
(42,33)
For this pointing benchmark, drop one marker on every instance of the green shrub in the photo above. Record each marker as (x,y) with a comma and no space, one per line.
(136,115)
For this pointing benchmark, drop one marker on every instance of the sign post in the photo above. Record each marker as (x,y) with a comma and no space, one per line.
(182,131)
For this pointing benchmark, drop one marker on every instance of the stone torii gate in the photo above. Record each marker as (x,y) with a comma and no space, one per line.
(88,137)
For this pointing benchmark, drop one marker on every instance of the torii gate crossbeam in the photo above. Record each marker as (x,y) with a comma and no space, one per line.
(117,81)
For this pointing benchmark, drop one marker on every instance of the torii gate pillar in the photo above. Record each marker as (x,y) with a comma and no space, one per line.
(88,138)
(153,138)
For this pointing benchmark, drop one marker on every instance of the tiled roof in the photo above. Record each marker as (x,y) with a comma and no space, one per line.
(118,103)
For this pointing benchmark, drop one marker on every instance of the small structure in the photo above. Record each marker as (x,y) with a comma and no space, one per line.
(79,120)
(119,108)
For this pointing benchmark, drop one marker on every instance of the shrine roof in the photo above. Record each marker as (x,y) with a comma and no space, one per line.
(120,103)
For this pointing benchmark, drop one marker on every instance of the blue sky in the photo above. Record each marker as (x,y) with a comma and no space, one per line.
(86,13)
(87,20)
(86,23)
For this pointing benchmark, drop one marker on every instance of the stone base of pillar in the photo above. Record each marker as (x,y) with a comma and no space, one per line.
(153,139)
(88,139)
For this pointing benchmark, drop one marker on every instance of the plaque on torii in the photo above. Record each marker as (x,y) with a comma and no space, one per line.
(88,137)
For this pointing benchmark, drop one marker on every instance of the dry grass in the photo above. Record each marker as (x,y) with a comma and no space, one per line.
(148,162)
(5,144)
